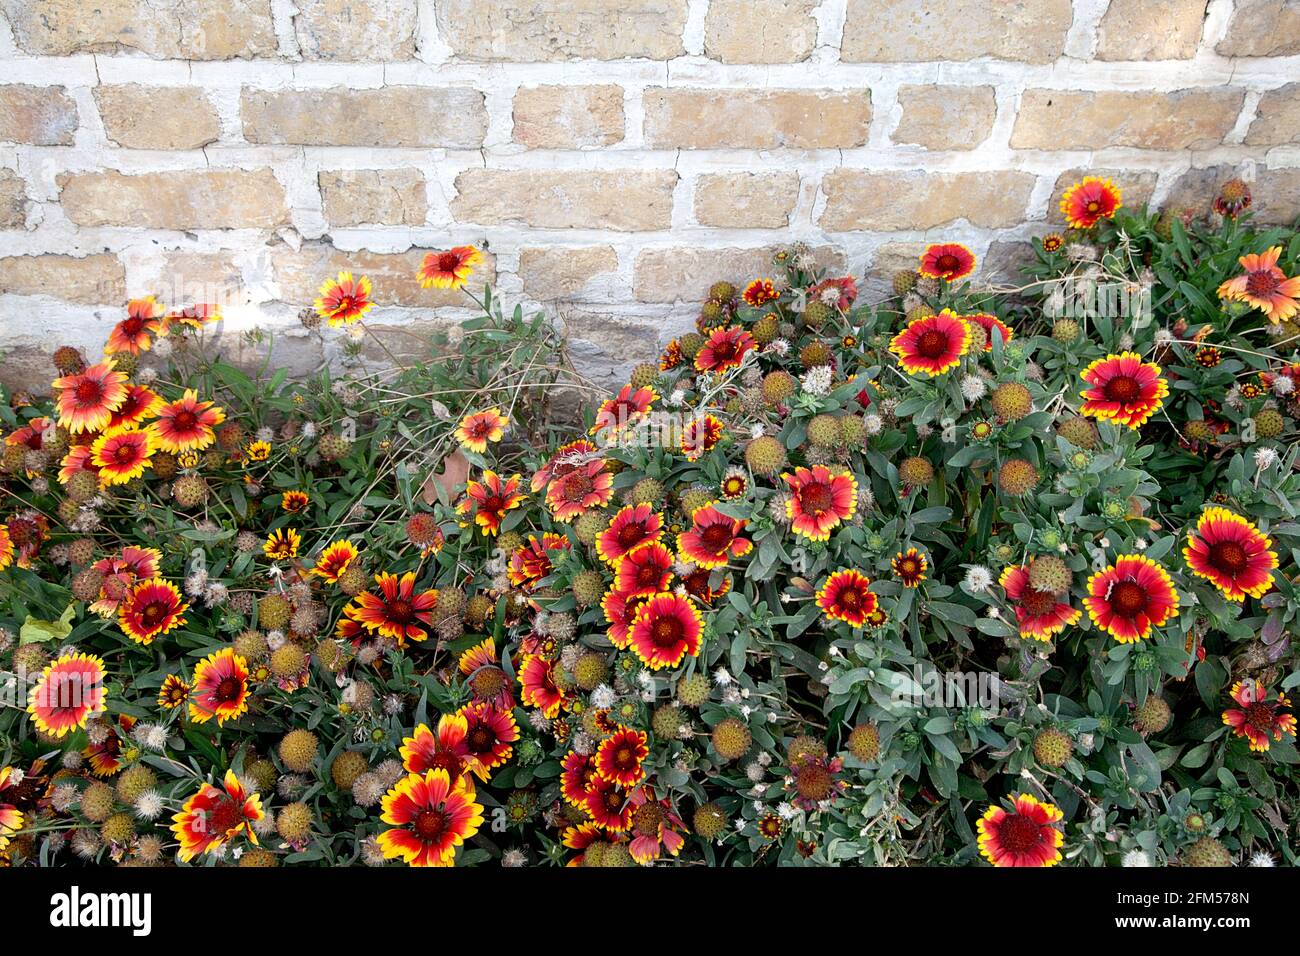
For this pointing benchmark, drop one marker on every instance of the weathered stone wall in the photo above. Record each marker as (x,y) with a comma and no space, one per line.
(614,156)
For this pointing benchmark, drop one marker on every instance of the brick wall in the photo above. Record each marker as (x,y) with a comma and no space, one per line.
(616,156)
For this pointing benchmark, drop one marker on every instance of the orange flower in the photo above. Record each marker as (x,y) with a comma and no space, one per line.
(1087,203)
(577,490)
(220,687)
(620,756)
(701,435)
(216,815)
(646,570)
(450,269)
(141,404)
(760,292)
(630,528)
(152,607)
(538,688)
(282,544)
(490,734)
(397,611)
(187,424)
(988,323)
(1124,389)
(724,349)
(295,502)
(666,630)
(713,538)
(626,408)
(1129,598)
(87,400)
(173,692)
(1023,836)
(69,692)
(1264,286)
(11,818)
(1256,717)
(334,560)
(820,499)
(846,597)
(6,548)
(343,300)
(946,260)
(123,455)
(909,567)
(431,816)
(532,561)
(133,333)
(444,749)
(933,344)
(490,499)
(478,429)
(1231,553)
(1039,614)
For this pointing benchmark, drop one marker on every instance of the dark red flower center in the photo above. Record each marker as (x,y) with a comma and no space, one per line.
(494,503)
(481,740)
(1128,599)
(850,597)
(1122,388)
(716,537)
(932,344)
(1260,715)
(228,690)
(1036,602)
(224,817)
(429,824)
(1262,283)
(1228,557)
(448,262)
(666,631)
(1019,834)
(185,419)
(724,351)
(125,453)
(816,498)
(948,262)
(632,533)
(89,391)
(400,611)
(153,612)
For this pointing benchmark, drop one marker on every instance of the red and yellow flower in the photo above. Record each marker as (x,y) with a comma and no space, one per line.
(220,687)
(580,489)
(932,344)
(656,827)
(6,548)
(724,349)
(760,292)
(620,756)
(1129,598)
(532,561)
(1088,202)
(620,611)
(295,502)
(68,693)
(909,567)
(11,818)
(152,607)
(187,424)
(121,571)
(87,400)
(1124,389)
(491,498)
(666,630)
(343,300)
(282,544)
(576,774)
(122,455)
(216,815)
(173,692)
(134,333)
(490,734)
(820,499)
(477,429)
(1022,836)
(334,560)
(397,611)
(430,816)
(700,436)
(631,527)
(1231,553)
(538,687)
(607,805)
(846,596)
(1264,286)
(1039,614)
(713,538)
(444,749)
(988,322)
(1256,717)
(626,408)
(449,269)
(647,570)
(946,260)
(140,405)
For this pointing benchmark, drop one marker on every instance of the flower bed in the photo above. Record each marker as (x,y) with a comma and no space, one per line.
(957,577)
